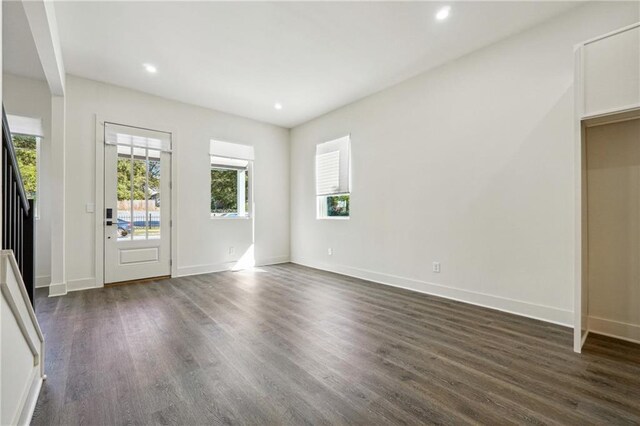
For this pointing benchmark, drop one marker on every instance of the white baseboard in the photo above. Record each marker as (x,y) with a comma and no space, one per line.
(32,398)
(512,306)
(582,340)
(272,260)
(88,283)
(43,281)
(57,289)
(81,284)
(184,271)
(617,329)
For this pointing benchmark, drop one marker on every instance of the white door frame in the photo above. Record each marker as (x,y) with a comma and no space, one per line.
(99,200)
(581,121)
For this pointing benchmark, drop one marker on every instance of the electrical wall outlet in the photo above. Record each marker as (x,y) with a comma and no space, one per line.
(436,267)
(232,250)
(330,251)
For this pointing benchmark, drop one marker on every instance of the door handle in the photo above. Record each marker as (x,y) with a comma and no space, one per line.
(109,216)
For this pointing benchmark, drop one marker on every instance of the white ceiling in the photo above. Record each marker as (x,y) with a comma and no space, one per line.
(243,57)
(19,54)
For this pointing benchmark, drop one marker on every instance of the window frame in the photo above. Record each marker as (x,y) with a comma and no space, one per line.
(321,207)
(249,194)
(38,139)
(321,200)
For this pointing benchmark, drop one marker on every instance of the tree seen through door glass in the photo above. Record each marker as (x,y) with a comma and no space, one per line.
(138,193)
(153,195)
(124,193)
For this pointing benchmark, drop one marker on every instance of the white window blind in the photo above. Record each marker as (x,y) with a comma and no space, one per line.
(328,173)
(28,126)
(231,150)
(228,163)
(333,167)
(135,137)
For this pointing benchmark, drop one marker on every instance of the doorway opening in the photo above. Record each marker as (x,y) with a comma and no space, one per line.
(610,299)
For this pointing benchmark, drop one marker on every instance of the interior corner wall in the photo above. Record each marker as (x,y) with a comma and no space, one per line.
(471,165)
(32,98)
(202,243)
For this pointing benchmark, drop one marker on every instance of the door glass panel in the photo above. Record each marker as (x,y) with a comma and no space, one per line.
(153,194)
(139,194)
(138,212)
(123,216)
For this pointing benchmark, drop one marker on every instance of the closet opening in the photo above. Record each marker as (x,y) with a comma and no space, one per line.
(611,226)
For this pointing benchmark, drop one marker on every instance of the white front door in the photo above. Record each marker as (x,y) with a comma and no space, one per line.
(137,213)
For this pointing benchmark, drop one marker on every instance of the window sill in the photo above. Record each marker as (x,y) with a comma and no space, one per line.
(334,218)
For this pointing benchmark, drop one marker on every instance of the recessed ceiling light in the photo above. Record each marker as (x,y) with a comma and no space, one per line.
(277,106)
(150,68)
(443,13)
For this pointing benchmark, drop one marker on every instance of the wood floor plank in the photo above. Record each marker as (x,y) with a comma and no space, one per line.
(535,367)
(403,362)
(345,386)
(287,344)
(402,377)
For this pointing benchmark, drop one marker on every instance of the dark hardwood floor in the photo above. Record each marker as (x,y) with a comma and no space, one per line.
(292,345)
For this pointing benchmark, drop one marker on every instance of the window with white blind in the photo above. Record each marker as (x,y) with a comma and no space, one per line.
(231,170)
(333,178)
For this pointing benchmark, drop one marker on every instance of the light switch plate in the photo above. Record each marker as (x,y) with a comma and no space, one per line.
(90,207)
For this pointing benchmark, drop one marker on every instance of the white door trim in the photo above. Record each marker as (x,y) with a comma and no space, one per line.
(582,119)
(99,198)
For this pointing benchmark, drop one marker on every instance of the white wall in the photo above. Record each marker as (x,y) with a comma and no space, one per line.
(470,164)
(203,242)
(32,98)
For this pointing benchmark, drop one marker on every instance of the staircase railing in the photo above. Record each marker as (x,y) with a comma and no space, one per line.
(18,225)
